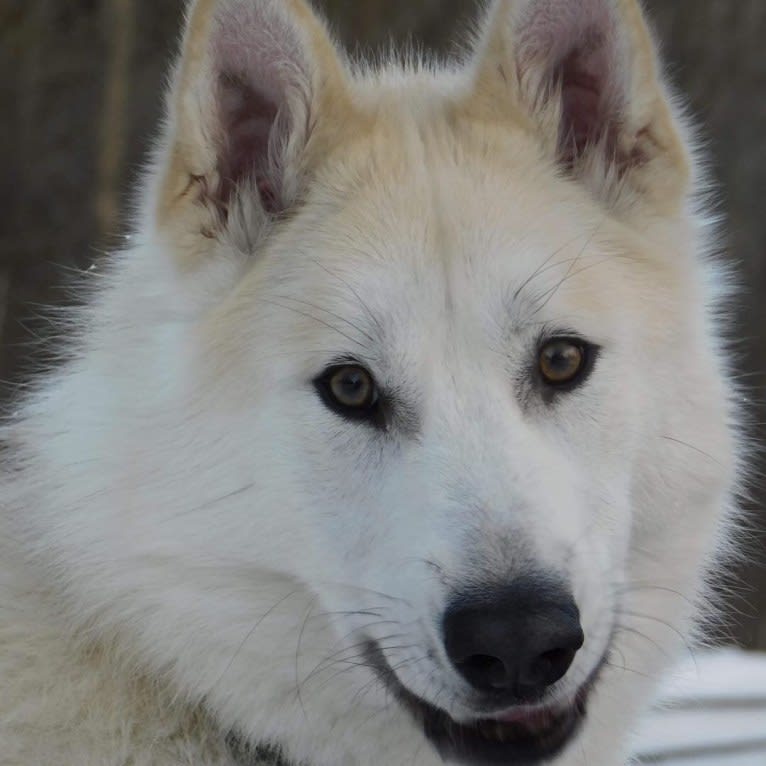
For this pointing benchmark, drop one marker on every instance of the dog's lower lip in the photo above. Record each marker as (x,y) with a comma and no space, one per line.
(522,736)
(540,715)
(527,716)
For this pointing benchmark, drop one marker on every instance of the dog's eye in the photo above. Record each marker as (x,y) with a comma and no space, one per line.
(563,361)
(352,387)
(348,389)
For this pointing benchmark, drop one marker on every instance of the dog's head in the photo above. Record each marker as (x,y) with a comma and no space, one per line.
(428,345)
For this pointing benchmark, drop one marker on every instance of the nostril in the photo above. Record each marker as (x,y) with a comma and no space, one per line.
(547,668)
(485,671)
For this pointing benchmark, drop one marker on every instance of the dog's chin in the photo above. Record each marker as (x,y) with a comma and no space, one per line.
(524,735)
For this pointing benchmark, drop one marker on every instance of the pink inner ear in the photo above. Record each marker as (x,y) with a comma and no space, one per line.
(576,43)
(247,121)
(258,60)
(589,110)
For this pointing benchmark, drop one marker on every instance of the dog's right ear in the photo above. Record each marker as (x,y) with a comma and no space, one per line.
(254,83)
(584,78)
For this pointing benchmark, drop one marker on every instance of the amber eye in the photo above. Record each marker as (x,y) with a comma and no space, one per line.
(562,361)
(352,387)
(349,390)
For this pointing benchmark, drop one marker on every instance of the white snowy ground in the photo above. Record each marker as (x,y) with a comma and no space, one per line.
(713,711)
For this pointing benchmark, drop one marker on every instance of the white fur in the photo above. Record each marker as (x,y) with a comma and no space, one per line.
(193,545)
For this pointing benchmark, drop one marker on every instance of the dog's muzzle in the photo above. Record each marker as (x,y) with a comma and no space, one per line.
(511,646)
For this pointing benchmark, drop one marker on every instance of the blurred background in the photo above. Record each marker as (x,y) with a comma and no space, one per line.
(80,94)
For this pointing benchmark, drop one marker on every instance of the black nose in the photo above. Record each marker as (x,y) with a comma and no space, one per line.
(517,640)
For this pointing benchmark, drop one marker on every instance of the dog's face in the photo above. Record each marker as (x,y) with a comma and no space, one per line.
(451,360)
(444,384)
(448,363)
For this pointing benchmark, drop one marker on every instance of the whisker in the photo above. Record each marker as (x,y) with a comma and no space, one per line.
(328,661)
(547,266)
(313,318)
(374,612)
(297,656)
(631,587)
(628,629)
(252,630)
(356,327)
(624,668)
(367,590)
(362,303)
(569,272)
(684,640)
(692,447)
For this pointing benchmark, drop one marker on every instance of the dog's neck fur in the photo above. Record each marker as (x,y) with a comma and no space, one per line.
(258,755)
(94,686)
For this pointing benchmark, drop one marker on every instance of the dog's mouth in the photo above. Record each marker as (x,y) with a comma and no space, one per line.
(523,735)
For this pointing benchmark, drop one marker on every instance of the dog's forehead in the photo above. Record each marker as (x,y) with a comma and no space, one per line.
(425,224)
(462,226)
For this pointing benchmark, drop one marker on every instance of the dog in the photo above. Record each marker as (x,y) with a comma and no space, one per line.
(403,431)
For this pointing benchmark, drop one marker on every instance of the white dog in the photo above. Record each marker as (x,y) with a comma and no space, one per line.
(402,434)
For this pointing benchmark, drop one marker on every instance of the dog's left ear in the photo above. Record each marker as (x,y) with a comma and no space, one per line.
(257,86)
(583,75)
